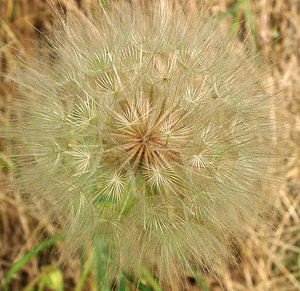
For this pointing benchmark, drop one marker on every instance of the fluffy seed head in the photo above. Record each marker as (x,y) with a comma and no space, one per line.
(148,132)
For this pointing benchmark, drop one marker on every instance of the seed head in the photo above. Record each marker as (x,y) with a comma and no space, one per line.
(149,133)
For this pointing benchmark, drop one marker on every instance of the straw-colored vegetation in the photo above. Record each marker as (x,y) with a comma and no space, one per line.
(269,259)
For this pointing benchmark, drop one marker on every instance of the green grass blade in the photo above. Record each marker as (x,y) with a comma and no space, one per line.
(122,285)
(250,21)
(103,3)
(199,280)
(85,271)
(102,263)
(150,279)
(230,11)
(137,282)
(27,257)
(13,11)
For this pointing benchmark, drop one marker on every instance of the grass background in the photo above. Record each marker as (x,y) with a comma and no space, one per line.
(269,259)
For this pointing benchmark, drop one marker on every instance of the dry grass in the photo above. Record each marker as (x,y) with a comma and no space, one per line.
(269,258)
